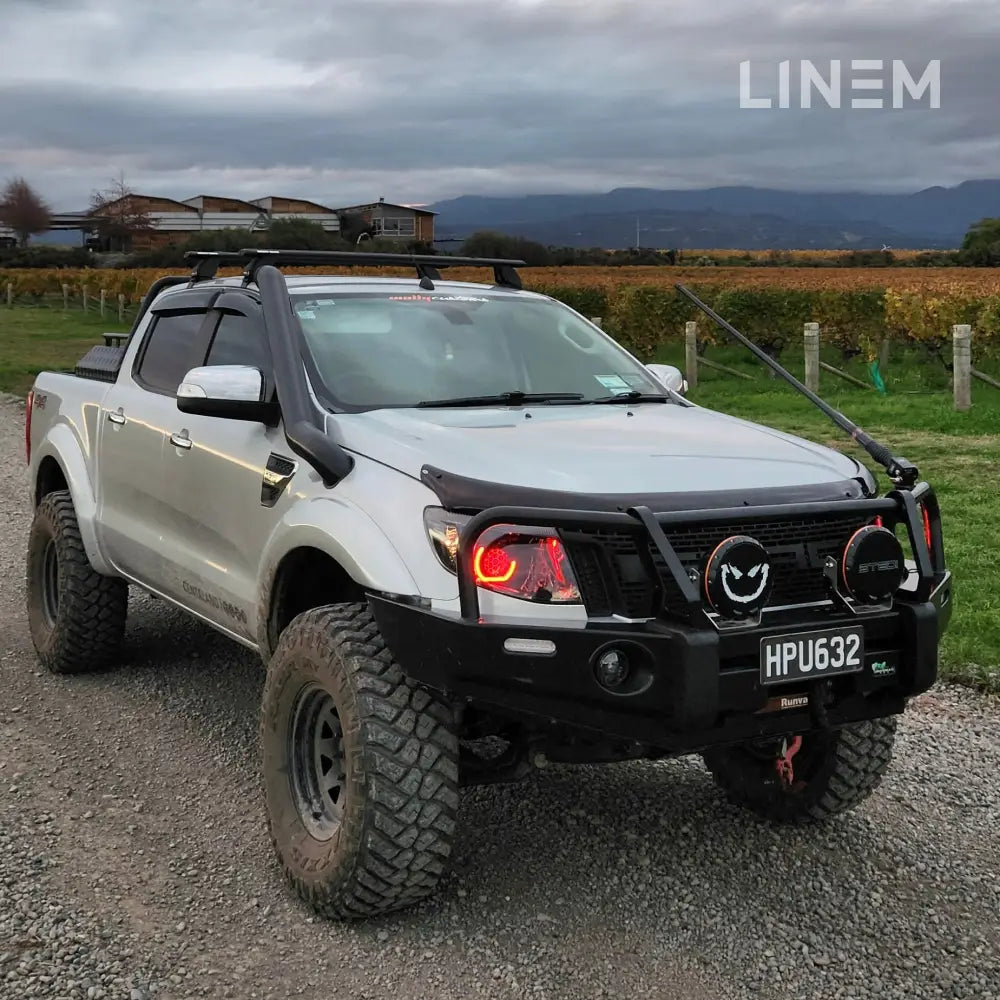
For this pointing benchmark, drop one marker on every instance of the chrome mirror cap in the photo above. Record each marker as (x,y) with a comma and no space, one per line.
(238,383)
(669,376)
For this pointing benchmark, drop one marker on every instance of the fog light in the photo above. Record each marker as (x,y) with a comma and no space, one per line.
(872,567)
(613,668)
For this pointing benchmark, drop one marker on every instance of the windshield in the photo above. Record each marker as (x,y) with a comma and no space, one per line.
(380,349)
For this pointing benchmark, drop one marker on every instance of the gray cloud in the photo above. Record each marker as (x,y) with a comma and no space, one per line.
(423,99)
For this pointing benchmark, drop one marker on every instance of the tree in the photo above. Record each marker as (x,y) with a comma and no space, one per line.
(353,225)
(23,210)
(122,215)
(981,246)
(299,234)
(486,243)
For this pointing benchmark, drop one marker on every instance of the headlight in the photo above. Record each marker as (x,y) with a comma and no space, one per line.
(528,563)
(443,529)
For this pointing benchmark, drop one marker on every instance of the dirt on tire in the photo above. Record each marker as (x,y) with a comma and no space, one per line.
(399,802)
(79,625)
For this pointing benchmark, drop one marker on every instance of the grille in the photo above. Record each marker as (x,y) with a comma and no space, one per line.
(621,571)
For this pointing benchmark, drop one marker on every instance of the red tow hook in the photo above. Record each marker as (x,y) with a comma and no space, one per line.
(784,765)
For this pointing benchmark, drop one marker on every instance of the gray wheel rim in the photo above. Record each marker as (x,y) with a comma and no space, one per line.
(316,758)
(50,583)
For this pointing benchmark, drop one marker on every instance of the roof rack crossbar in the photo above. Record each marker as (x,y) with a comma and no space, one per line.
(207,262)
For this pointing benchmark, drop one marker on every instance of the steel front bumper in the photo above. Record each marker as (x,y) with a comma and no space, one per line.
(691,687)
(692,683)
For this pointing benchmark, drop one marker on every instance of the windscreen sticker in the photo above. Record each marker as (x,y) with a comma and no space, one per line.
(613,382)
(307,314)
(636,380)
(436,298)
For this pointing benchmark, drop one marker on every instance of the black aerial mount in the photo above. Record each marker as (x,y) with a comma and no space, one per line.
(903,473)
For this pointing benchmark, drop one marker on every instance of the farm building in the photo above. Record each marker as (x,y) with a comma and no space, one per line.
(173,221)
(395,222)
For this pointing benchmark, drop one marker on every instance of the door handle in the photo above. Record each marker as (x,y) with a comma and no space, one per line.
(181,440)
(117,416)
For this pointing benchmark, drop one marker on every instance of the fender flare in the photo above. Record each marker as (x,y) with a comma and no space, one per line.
(62,445)
(348,536)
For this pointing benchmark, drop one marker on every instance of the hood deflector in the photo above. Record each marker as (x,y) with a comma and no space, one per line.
(471,496)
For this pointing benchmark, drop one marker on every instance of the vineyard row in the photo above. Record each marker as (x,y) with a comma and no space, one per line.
(856,308)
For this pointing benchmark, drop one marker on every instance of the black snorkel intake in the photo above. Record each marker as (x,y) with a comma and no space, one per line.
(903,473)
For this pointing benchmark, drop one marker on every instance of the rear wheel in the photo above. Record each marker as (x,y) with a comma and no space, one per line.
(831,772)
(76,616)
(360,768)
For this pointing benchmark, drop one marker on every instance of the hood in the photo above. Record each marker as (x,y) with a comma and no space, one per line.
(645,448)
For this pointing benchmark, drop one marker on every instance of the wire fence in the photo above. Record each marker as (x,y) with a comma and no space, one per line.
(91,300)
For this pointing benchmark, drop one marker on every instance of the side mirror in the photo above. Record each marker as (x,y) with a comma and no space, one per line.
(669,376)
(232,391)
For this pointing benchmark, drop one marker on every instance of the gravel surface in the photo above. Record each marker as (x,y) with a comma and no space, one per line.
(134,861)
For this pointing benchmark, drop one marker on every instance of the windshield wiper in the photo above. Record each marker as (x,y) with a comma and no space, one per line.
(635,396)
(505,398)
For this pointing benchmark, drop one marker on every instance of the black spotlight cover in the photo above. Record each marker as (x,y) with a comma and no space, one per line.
(872,568)
(738,577)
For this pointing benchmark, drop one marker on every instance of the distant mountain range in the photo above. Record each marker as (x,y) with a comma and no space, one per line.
(747,218)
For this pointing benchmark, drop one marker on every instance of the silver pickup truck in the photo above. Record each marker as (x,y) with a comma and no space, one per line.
(469,535)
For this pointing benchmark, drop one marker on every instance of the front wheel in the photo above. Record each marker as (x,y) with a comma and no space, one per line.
(360,768)
(805,779)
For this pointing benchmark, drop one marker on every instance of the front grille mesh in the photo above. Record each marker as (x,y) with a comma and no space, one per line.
(621,571)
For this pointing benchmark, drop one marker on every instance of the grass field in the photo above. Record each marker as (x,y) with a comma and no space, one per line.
(36,338)
(956,452)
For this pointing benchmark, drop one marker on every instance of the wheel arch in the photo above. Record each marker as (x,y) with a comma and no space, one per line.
(59,464)
(308,566)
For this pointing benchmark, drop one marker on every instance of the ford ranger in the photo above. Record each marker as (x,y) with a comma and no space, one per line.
(469,534)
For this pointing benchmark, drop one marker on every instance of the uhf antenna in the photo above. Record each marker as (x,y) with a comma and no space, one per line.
(904,474)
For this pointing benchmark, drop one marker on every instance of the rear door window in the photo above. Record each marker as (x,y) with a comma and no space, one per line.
(175,344)
(239,340)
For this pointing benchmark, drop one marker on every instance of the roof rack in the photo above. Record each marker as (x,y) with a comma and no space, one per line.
(428,267)
(208,262)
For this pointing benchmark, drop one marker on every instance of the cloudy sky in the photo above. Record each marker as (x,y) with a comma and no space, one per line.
(419,100)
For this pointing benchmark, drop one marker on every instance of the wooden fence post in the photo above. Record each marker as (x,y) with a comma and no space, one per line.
(691,353)
(86,295)
(10,293)
(596,320)
(104,296)
(811,338)
(962,338)
(65,297)
(883,355)
(121,308)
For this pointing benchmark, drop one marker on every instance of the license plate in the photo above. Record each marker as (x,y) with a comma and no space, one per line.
(809,655)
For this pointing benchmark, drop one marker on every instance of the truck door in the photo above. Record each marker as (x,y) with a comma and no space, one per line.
(219,512)
(136,419)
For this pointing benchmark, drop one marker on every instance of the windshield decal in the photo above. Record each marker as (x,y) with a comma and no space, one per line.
(613,382)
(435,298)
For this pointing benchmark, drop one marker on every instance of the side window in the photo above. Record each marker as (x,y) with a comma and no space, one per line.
(173,347)
(239,340)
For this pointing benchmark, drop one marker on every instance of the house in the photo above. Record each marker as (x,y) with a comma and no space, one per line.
(395,222)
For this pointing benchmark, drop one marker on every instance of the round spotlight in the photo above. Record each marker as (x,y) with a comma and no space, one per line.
(872,567)
(612,668)
(738,577)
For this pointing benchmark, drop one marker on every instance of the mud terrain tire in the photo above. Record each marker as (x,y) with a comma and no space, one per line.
(360,768)
(76,616)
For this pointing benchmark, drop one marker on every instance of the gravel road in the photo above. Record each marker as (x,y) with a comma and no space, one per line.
(134,861)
